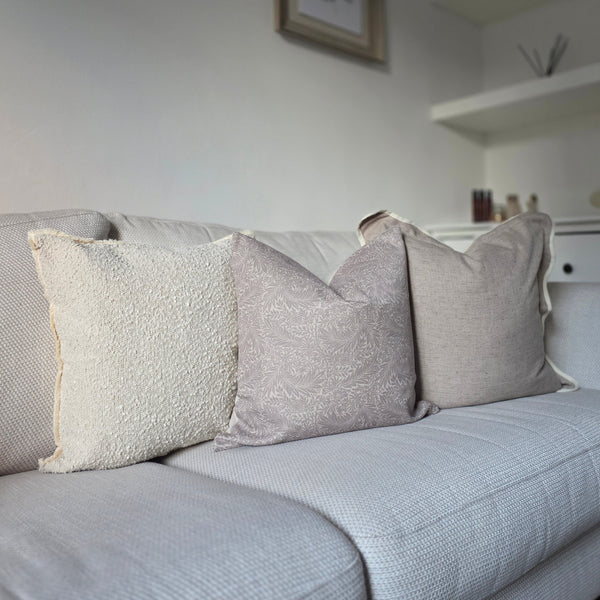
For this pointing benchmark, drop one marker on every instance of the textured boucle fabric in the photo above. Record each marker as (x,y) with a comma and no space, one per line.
(146,340)
(149,532)
(27,351)
(455,506)
(316,359)
(479,315)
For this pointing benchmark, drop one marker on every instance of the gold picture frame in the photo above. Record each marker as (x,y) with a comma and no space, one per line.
(353,26)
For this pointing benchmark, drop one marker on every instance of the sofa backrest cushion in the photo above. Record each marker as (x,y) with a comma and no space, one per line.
(573,330)
(147,347)
(154,231)
(27,352)
(321,252)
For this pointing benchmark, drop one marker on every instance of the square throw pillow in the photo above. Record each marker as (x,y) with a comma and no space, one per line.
(317,359)
(479,316)
(27,351)
(146,339)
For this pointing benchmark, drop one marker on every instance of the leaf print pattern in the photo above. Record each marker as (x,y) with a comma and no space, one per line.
(318,359)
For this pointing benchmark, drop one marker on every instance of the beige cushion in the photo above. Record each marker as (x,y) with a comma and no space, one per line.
(27,352)
(147,347)
(479,315)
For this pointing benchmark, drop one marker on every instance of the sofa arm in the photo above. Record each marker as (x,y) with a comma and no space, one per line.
(573,331)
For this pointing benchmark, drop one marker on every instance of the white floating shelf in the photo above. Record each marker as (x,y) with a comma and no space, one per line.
(566,94)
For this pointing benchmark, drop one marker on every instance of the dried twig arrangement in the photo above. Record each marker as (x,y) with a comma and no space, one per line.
(556,53)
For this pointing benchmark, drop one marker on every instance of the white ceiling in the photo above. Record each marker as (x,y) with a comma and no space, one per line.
(483,12)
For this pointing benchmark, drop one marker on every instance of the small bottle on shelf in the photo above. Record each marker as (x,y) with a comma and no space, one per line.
(488,205)
(532,203)
(499,213)
(483,205)
(513,206)
(476,205)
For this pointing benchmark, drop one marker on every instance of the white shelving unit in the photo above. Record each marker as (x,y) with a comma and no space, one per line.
(564,94)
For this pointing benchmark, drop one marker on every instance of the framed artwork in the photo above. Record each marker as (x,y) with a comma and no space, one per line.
(354,26)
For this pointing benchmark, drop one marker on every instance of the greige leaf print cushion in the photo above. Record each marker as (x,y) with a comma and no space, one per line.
(317,359)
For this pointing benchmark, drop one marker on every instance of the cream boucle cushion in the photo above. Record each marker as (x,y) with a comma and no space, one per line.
(146,341)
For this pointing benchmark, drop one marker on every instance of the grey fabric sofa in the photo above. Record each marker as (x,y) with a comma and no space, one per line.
(498,501)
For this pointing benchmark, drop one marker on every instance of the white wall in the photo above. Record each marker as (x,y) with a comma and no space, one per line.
(198,109)
(560,161)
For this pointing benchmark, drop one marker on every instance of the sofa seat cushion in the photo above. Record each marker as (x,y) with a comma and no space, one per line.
(150,532)
(458,505)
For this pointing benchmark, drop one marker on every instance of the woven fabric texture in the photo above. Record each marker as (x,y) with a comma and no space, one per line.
(573,331)
(456,506)
(148,532)
(571,573)
(299,336)
(147,341)
(479,315)
(27,351)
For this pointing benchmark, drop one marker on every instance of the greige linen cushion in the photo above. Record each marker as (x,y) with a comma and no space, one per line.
(317,359)
(147,340)
(479,316)
(27,351)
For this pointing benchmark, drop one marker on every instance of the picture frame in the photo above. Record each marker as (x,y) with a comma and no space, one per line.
(352,26)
